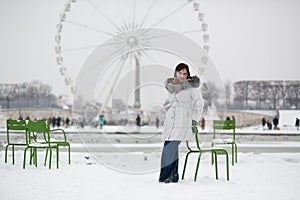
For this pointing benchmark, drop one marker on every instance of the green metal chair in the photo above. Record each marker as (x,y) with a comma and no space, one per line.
(59,142)
(18,127)
(213,150)
(225,125)
(38,137)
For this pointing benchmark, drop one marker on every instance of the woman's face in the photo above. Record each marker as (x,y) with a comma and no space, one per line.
(182,74)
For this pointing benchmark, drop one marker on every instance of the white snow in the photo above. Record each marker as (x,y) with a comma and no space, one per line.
(287,118)
(256,176)
(130,170)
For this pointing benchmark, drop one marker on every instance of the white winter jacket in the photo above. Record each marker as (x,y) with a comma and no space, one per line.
(185,106)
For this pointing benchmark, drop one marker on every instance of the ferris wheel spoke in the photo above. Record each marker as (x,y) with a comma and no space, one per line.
(146,15)
(168,35)
(192,31)
(78,49)
(149,38)
(164,18)
(90,47)
(126,26)
(110,55)
(143,51)
(90,28)
(170,14)
(133,13)
(113,83)
(104,15)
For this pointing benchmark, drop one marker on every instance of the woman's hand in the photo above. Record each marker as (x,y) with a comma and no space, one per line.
(175,80)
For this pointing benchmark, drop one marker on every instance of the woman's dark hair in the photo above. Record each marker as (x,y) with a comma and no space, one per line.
(182,66)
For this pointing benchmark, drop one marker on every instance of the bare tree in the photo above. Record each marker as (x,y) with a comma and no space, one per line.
(45,91)
(293,93)
(210,93)
(228,92)
(33,94)
(258,92)
(242,90)
(273,93)
(8,92)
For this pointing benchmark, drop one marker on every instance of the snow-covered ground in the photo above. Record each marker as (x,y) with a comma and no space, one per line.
(121,166)
(256,176)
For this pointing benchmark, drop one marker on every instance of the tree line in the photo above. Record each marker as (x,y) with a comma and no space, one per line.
(27,95)
(253,94)
(238,95)
(267,94)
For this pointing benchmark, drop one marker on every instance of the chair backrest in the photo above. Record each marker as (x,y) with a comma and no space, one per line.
(224,125)
(36,127)
(195,131)
(18,125)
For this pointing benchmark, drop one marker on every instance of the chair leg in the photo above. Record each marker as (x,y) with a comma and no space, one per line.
(46,156)
(227,166)
(35,156)
(13,154)
(32,156)
(235,149)
(197,167)
(216,164)
(69,149)
(50,158)
(232,152)
(57,156)
(24,159)
(186,158)
(6,149)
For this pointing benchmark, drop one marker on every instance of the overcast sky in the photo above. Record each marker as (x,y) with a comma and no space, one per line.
(249,39)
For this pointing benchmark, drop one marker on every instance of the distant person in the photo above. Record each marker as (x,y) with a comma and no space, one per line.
(53,121)
(157,122)
(275,122)
(101,121)
(233,118)
(227,118)
(58,121)
(269,124)
(297,123)
(202,123)
(82,123)
(138,121)
(67,122)
(263,122)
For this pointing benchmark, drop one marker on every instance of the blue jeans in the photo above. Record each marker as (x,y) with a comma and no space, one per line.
(169,162)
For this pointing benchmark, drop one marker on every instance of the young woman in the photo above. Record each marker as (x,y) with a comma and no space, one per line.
(186,104)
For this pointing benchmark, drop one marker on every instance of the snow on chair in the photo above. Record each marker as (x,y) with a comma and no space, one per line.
(215,151)
(223,125)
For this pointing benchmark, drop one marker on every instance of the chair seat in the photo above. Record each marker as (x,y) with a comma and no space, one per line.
(60,142)
(41,145)
(222,141)
(211,148)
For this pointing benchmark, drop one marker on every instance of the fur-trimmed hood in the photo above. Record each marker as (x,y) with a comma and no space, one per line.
(172,87)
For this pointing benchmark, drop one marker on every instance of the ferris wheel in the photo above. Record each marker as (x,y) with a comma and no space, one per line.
(117,39)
